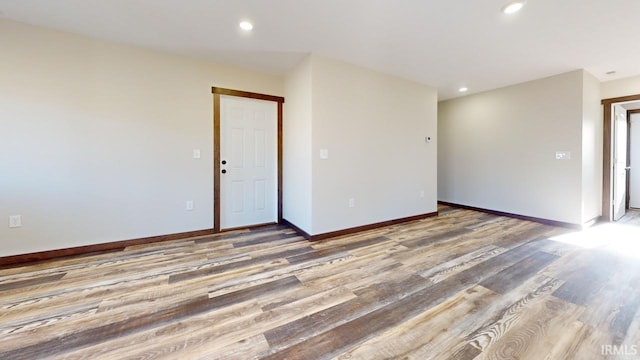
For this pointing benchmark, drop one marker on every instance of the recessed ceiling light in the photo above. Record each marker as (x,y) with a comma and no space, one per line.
(246,26)
(513,7)
(463,89)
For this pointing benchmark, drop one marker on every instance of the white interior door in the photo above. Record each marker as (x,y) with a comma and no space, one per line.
(620,163)
(248,154)
(634,184)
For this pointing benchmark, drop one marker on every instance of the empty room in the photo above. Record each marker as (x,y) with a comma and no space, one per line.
(285,179)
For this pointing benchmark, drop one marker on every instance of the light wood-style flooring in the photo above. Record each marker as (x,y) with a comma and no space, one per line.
(464,285)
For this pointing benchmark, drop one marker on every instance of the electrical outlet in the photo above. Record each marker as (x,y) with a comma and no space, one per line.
(352,202)
(15,221)
(421,193)
(189,205)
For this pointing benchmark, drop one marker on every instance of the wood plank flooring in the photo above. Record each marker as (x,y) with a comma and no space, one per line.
(464,285)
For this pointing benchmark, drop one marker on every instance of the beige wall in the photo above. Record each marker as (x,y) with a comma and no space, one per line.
(497,149)
(373,126)
(592,152)
(297,146)
(622,87)
(96,139)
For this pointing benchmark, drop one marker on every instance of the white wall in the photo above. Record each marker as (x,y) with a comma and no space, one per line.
(497,149)
(296,131)
(621,87)
(96,139)
(373,126)
(592,152)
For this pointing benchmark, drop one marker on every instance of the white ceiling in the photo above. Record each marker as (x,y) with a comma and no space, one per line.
(442,43)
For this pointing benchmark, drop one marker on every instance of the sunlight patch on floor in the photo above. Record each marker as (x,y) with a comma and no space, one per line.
(613,237)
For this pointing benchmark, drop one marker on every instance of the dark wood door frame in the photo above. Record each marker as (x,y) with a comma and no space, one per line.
(217,92)
(607,171)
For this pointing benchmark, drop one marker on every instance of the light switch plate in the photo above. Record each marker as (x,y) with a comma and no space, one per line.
(196,153)
(15,221)
(563,155)
(324,154)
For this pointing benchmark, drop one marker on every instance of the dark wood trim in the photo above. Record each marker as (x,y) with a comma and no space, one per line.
(357,229)
(216,162)
(217,91)
(246,94)
(620,99)
(607,191)
(370,226)
(523,217)
(592,222)
(303,233)
(14,260)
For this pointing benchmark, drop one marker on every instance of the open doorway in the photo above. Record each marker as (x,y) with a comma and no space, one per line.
(619,179)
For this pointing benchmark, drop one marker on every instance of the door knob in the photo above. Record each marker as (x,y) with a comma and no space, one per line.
(224,171)
(224,162)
